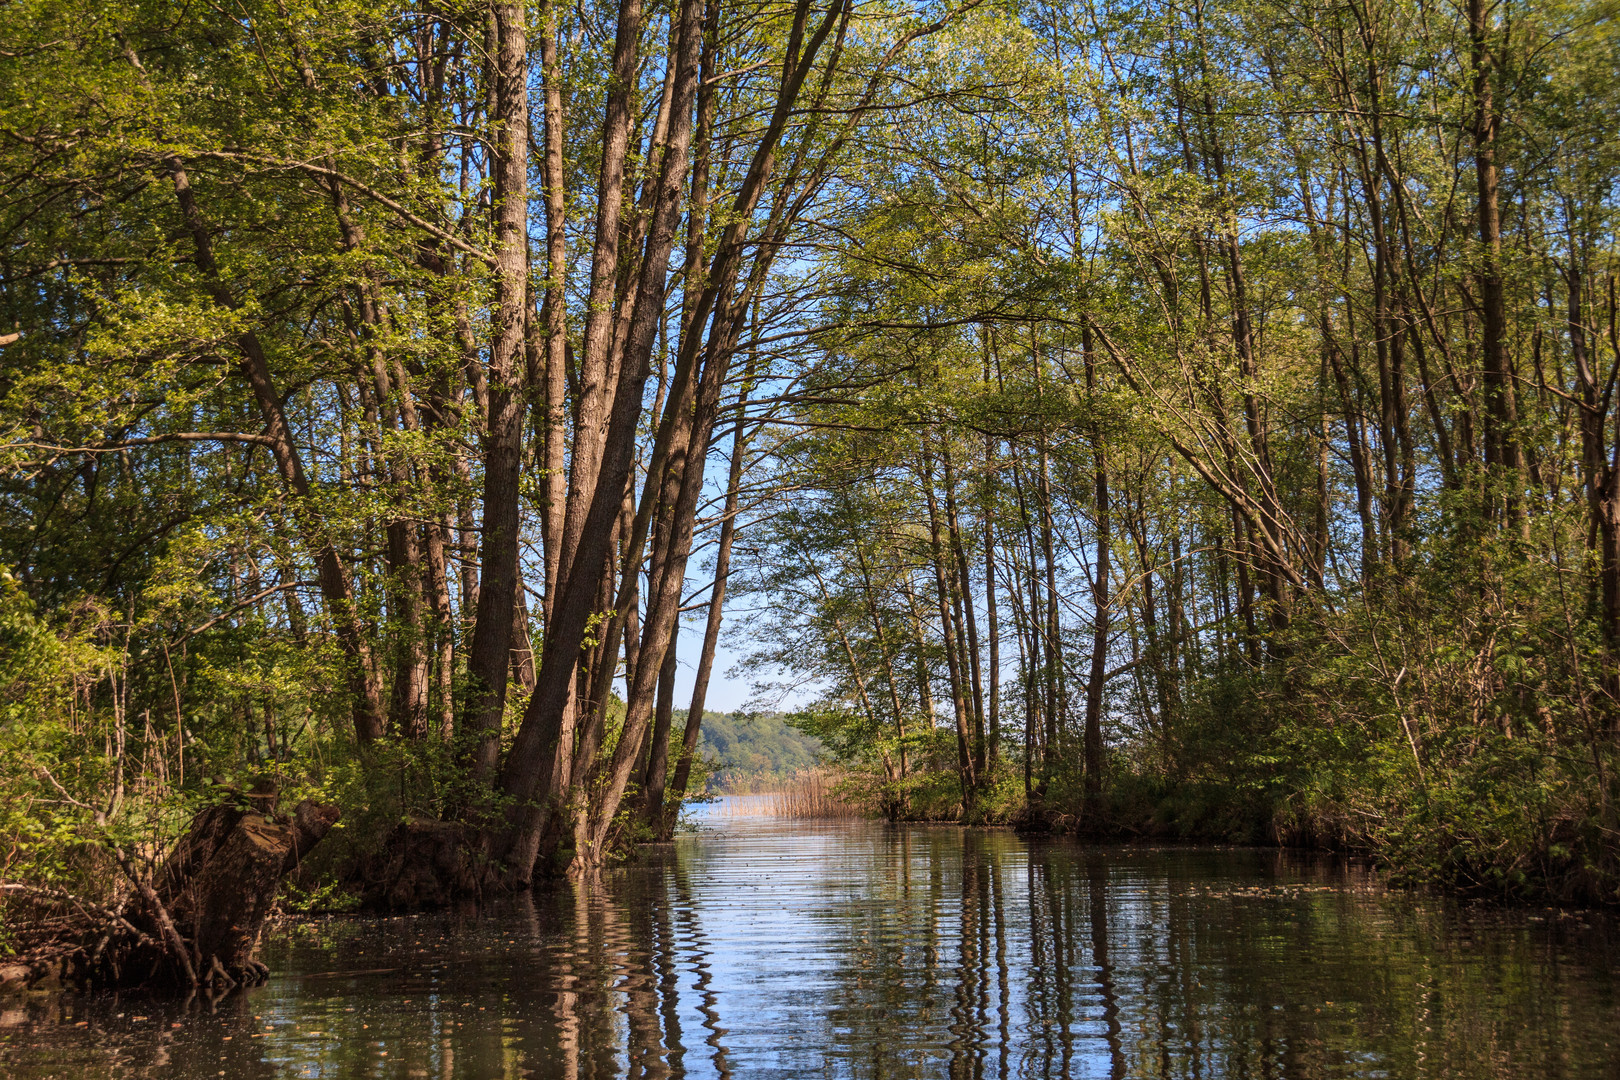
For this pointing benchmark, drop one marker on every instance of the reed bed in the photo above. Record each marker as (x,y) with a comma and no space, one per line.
(809,793)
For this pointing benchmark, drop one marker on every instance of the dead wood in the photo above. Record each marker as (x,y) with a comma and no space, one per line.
(194,923)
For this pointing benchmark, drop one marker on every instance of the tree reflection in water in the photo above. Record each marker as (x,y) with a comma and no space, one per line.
(856,949)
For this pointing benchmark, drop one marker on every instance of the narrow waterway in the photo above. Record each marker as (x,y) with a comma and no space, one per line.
(763,947)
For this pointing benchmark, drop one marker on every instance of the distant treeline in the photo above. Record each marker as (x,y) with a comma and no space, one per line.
(754,751)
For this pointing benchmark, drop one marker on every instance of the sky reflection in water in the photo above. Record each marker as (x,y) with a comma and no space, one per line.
(764,948)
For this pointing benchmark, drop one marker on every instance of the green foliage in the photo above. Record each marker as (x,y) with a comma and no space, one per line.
(55,776)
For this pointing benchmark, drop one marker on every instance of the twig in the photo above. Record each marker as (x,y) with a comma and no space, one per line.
(176,943)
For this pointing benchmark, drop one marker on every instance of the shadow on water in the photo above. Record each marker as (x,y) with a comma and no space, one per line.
(767,947)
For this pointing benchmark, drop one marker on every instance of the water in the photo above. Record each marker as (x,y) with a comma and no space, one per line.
(770,948)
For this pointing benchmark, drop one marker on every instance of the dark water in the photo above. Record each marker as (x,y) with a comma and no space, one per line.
(765,948)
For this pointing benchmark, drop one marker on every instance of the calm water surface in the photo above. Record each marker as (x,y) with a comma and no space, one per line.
(762,947)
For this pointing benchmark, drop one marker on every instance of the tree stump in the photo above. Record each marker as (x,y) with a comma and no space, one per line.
(196,923)
(221,881)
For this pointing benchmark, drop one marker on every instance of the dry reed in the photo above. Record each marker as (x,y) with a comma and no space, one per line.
(808,793)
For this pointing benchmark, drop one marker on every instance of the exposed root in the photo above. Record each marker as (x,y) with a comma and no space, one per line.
(424,864)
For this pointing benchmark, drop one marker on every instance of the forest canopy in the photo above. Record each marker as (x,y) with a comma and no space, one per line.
(1180,418)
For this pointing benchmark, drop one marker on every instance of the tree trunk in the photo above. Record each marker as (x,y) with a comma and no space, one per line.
(657,774)
(1093,749)
(1501,405)
(553,313)
(964,591)
(489,658)
(943,591)
(711,629)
